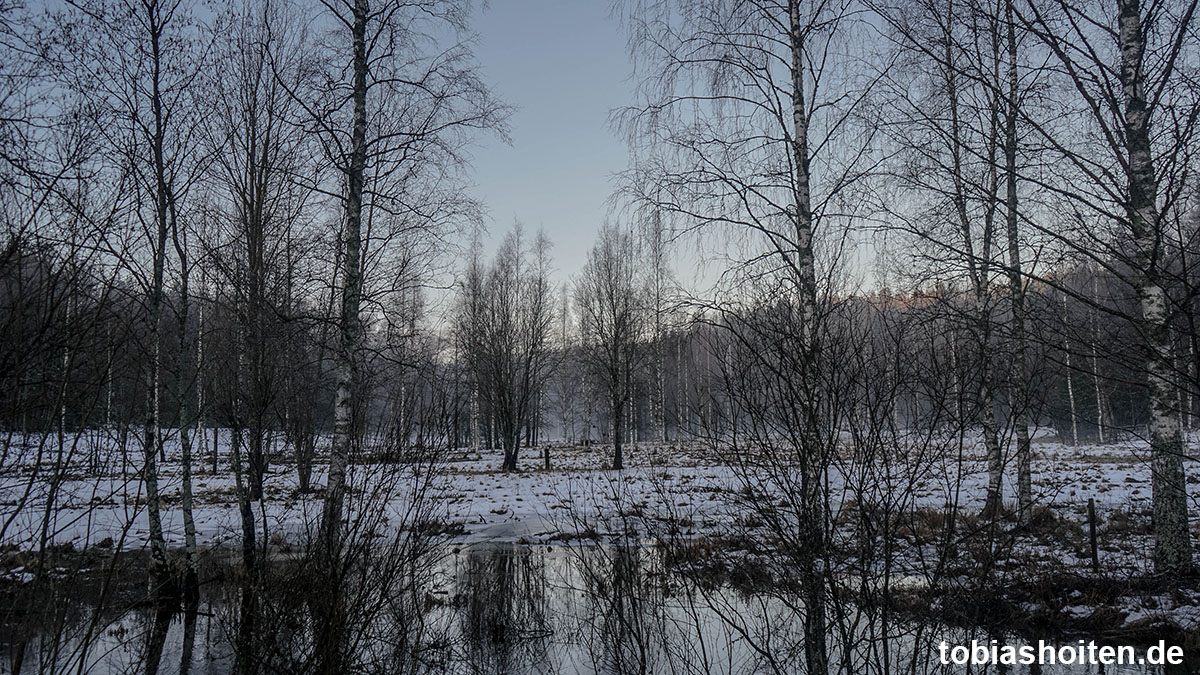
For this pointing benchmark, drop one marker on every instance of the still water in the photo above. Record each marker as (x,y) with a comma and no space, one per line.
(503,608)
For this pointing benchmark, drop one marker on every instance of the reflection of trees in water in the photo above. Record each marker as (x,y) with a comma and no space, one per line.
(156,638)
(622,625)
(619,608)
(641,616)
(386,624)
(505,619)
(85,608)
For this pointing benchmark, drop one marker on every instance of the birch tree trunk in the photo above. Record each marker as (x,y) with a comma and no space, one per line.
(247,616)
(348,322)
(159,565)
(683,363)
(475,421)
(979,265)
(618,422)
(1070,385)
(658,394)
(1018,386)
(1172,541)
(200,413)
(994,500)
(1189,404)
(813,519)
(1100,421)
(183,380)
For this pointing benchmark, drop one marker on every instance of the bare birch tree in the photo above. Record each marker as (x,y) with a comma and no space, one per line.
(149,55)
(610,297)
(394,103)
(1125,74)
(507,316)
(747,119)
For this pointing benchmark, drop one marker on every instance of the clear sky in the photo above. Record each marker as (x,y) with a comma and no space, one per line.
(564,65)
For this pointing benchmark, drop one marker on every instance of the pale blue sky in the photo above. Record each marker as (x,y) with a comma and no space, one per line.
(564,65)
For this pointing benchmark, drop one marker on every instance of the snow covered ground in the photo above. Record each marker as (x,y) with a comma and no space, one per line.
(100,501)
(532,505)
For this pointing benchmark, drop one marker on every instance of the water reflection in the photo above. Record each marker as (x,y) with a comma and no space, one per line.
(492,609)
(505,618)
(624,620)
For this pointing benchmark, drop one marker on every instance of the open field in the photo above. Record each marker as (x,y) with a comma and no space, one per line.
(667,493)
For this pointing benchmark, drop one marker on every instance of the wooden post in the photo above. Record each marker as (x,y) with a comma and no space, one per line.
(1092,534)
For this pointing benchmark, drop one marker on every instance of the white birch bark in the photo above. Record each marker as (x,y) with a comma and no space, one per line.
(815,647)
(1018,385)
(1172,541)
(348,320)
